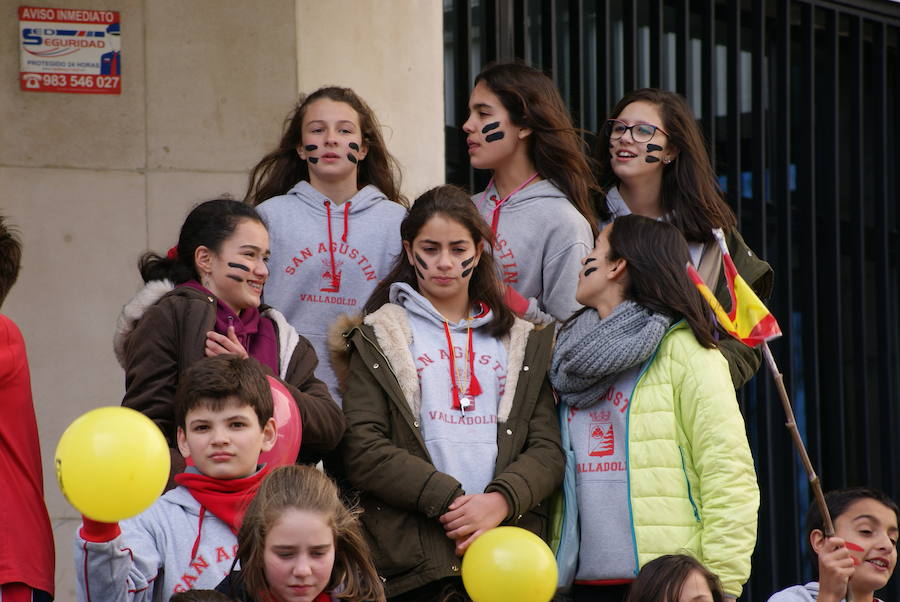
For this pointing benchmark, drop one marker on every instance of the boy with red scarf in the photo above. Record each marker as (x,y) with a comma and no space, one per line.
(187,538)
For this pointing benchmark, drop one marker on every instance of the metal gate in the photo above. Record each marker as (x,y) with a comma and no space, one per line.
(800,101)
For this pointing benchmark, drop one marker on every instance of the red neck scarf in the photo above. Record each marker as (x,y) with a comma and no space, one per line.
(226,498)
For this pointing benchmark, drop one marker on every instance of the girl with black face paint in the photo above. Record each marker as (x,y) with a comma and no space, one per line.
(653,162)
(331,195)
(538,200)
(451,427)
(203,298)
(658,456)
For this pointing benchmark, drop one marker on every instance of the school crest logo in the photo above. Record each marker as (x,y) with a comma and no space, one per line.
(602,441)
(331,277)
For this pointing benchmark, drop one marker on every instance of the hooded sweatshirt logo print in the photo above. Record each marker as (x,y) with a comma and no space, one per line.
(327,258)
(324,260)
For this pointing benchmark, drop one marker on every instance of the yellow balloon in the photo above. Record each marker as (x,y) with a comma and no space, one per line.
(112,463)
(509,563)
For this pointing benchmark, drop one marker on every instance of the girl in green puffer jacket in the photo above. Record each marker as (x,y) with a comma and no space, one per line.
(657,449)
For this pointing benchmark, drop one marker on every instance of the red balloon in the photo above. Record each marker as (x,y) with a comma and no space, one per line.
(287,422)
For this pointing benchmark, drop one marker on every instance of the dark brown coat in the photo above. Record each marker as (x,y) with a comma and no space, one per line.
(159,337)
(402,493)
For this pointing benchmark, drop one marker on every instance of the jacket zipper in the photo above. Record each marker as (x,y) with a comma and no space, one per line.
(688,483)
(647,364)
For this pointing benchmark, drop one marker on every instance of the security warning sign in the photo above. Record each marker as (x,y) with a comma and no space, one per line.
(70,50)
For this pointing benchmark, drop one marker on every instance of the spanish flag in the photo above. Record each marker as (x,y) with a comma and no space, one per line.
(749,321)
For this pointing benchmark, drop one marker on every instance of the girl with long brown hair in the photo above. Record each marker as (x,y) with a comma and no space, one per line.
(538,200)
(658,455)
(299,542)
(653,162)
(330,194)
(676,578)
(451,427)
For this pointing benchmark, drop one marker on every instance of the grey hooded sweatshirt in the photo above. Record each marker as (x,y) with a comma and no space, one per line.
(152,559)
(461,442)
(799,593)
(327,259)
(541,240)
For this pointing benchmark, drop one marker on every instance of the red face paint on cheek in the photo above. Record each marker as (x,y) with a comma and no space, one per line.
(853,548)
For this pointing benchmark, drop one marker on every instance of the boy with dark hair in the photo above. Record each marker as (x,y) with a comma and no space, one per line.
(26,539)
(861,556)
(187,538)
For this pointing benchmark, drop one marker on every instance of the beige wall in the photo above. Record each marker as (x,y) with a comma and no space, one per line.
(94,180)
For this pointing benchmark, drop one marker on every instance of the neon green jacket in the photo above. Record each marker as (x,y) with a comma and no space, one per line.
(691,481)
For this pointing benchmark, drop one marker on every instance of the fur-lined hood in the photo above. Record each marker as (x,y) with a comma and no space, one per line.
(393,335)
(154,291)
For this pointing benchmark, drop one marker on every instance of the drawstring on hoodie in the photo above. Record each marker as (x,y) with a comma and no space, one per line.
(335,281)
(199,531)
(495,219)
(346,220)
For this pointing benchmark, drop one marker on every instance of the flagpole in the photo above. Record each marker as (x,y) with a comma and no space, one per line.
(791,425)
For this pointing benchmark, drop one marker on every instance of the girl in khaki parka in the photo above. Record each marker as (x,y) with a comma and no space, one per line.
(451,419)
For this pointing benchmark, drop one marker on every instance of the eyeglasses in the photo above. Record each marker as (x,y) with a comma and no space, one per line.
(640,132)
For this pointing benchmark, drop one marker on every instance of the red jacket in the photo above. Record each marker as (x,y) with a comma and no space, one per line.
(26,539)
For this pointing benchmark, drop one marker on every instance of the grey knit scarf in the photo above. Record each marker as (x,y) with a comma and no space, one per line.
(591,353)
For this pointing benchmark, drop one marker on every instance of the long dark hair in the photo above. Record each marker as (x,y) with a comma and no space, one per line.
(690,196)
(662,579)
(656,254)
(309,490)
(282,168)
(208,224)
(557,151)
(485,286)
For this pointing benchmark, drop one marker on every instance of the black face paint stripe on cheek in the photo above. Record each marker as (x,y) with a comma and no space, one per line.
(589,259)
(590,271)
(489,127)
(354,146)
(421,261)
(310,147)
(239,266)
(235,278)
(418,273)
(494,137)
(653,148)
(652,159)
(313,160)
(351,158)
(465,264)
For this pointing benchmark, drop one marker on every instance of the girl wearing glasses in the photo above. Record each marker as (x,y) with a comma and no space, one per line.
(653,162)
(537,201)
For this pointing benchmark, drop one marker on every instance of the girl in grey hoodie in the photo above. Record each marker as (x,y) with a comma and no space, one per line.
(330,196)
(537,201)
